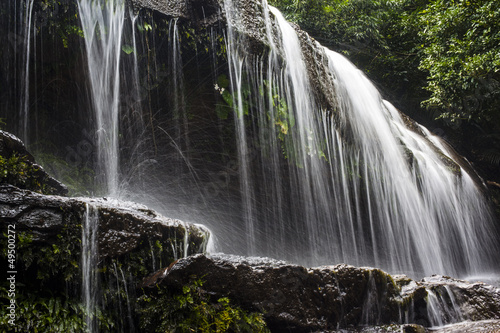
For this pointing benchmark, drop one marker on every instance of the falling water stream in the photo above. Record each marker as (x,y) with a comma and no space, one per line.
(90,252)
(102,23)
(27,54)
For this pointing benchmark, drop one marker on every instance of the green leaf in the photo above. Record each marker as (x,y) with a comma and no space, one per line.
(127,49)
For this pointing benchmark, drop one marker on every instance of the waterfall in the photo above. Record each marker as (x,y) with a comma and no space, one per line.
(347,180)
(102,24)
(355,184)
(443,308)
(90,287)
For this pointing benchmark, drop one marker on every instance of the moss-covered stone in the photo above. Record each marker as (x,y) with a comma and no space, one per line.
(18,168)
(191,308)
(132,241)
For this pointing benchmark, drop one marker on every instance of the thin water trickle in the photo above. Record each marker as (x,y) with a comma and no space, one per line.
(90,253)
(442,308)
(25,104)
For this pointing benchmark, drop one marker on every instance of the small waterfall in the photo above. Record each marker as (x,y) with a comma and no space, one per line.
(442,308)
(102,24)
(356,184)
(371,309)
(90,254)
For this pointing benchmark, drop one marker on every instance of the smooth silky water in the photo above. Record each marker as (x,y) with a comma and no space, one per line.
(353,185)
(361,187)
(102,24)
(89,264)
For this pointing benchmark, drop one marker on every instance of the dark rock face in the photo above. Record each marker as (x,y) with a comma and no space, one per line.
(200,12)
(122,226)
(458,300)
(251,27)
(131,240)
(297,299)
(10,146)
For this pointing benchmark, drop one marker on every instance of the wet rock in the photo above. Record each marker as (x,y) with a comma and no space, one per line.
(122,226)
(412,328)
(299,299)
(174,8)
(200,13)
(251,27)
(290,296)
(34,177)
(483,326)
(459,300)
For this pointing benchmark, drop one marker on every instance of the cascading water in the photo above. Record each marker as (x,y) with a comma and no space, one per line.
(90,253)
(416,197)
(351,183)
(360,186)
(102,24)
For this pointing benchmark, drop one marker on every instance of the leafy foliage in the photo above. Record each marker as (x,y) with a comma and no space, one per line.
(79,178)
(461,53)
(43,314)
(17,171)
(191,310)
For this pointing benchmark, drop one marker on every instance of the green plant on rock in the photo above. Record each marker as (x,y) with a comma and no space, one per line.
(192,310)
(43,314)
(17,171)
(282,117)
(60,18)
(78,178)
(240,103)
(53,261)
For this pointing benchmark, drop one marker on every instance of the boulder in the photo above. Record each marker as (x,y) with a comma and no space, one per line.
(19,168)
(122,227)
(56,256)
(299,299)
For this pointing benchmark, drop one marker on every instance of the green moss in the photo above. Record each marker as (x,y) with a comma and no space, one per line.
(192,310)
(78,178)
(17,171)
(54,261)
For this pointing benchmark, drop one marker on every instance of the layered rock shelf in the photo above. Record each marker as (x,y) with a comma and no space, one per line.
(298,299)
